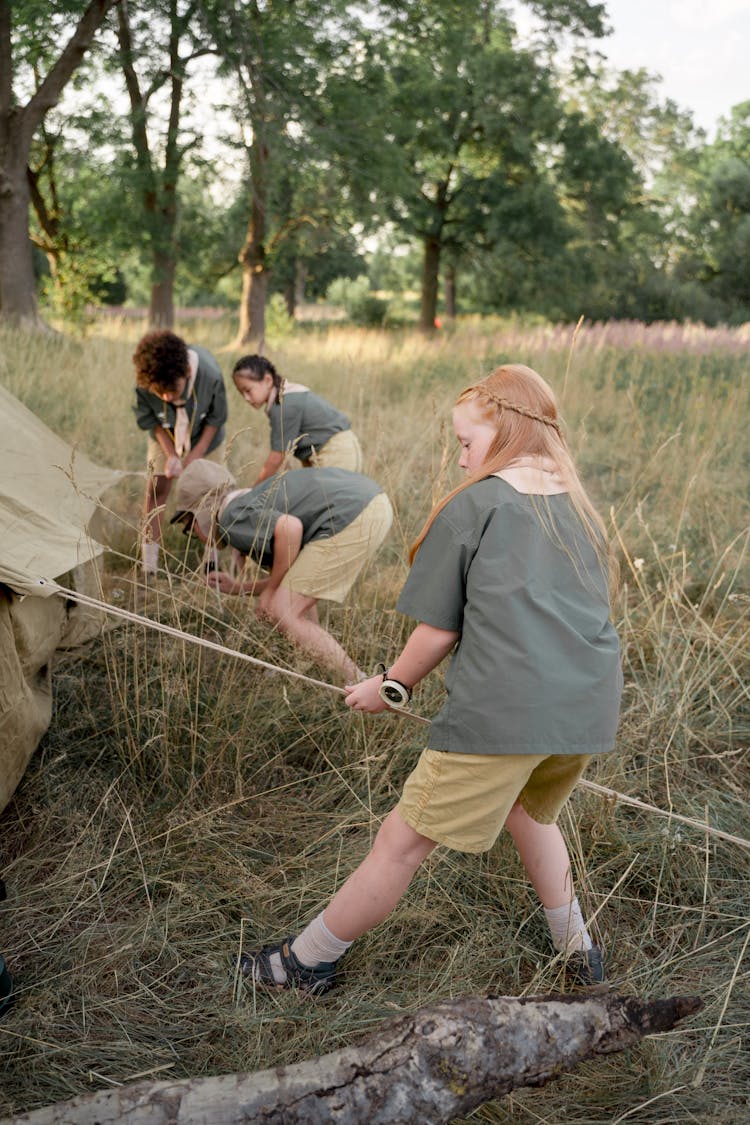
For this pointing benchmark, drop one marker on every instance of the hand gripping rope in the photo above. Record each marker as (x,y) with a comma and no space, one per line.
(391,691)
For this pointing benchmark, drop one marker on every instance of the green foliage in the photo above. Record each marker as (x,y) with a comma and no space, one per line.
(279,324)
(362,306)
(540,190)
(724,213)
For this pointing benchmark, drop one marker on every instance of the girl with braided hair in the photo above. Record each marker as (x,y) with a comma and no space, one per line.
(302,423)
(509,574)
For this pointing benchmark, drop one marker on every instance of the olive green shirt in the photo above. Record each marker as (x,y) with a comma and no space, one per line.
(324,500)
(206,404)
(304,422)
(537,667)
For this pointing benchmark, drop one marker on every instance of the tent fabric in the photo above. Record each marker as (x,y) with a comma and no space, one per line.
(48,492)
(30,631)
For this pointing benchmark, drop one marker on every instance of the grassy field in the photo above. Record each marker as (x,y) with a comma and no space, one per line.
(184,804)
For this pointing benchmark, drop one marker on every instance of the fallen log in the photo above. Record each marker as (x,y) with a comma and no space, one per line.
(433,1065)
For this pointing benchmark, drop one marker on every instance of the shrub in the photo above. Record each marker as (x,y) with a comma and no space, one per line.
(362,306)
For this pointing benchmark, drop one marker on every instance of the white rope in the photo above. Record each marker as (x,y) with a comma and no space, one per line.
(180,635)
(612,794)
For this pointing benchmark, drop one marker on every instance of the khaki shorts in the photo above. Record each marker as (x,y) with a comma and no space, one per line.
(156,458)
(327,568)
(463,800)
(341,451)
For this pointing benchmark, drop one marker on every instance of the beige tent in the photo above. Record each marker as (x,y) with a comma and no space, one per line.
(48,492)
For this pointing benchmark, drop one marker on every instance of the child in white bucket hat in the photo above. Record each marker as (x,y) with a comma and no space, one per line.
(312,531)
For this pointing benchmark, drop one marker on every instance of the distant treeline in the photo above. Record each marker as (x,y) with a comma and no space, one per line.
(218,152)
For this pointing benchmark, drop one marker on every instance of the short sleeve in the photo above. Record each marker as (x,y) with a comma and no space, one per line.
(435,591)
(250,529)
(143,409)
(217,412)
(285,419)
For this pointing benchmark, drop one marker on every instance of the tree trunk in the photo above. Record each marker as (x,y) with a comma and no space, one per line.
(18,124)
(450,292)
(161,307)
(434,1065)
(300,281)
(290,298)
(17,282)
(252,329)
(430,275)
(158,187)
(294,290)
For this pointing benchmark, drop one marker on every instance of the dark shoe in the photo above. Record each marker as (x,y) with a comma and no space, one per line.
(257,967)
(586,968)
(6,988)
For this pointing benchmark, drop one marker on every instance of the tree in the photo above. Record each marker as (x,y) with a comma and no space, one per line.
(720,220)
(29,33)
(158,163)
(628,186)
(468,113)
(77,211)
(282,58)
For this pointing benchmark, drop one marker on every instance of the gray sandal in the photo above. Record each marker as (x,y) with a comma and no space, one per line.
(586,968)
(257,967)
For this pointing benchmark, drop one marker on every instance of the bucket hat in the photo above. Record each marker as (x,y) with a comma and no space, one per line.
(199,486)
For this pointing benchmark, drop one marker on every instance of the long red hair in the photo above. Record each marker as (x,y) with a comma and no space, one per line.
(521,406)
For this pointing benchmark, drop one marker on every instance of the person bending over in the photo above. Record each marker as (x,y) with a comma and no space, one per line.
(301,422)
(181,402)
(313,532)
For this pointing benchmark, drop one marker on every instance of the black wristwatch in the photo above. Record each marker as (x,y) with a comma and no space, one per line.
(393,692)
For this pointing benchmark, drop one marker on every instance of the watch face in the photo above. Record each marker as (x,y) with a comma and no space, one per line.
(395,694)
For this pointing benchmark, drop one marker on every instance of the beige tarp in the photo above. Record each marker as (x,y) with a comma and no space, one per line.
(48,493)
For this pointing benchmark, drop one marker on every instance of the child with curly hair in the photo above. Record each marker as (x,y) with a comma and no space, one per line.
(181,402)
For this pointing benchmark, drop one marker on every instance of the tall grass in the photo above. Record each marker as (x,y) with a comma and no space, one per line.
(184,804)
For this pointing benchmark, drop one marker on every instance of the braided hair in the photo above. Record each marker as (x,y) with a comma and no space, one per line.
(256,367)
(522,407)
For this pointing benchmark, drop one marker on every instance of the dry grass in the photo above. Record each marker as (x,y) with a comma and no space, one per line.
(183,804)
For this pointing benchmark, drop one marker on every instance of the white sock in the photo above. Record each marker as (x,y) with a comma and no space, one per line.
(568,929)
(315,944)
(150,557)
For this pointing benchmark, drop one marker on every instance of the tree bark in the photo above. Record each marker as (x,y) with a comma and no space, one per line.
(18,301)
(434,1065)
(290,298)
(158,187)
(161,306)
(252,256)
(450,292)
(300,283)
(433,247)
(430,275)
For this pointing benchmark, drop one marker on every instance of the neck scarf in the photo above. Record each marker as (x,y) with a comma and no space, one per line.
(182,422)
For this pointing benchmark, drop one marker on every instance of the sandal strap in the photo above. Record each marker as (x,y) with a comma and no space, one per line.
(258,966)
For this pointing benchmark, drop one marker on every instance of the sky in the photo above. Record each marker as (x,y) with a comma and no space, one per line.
(701,49)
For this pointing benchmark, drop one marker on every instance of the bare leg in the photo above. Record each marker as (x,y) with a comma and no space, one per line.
(291,612)
(157,492)
(371,892)
(312,614)
(544,854)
